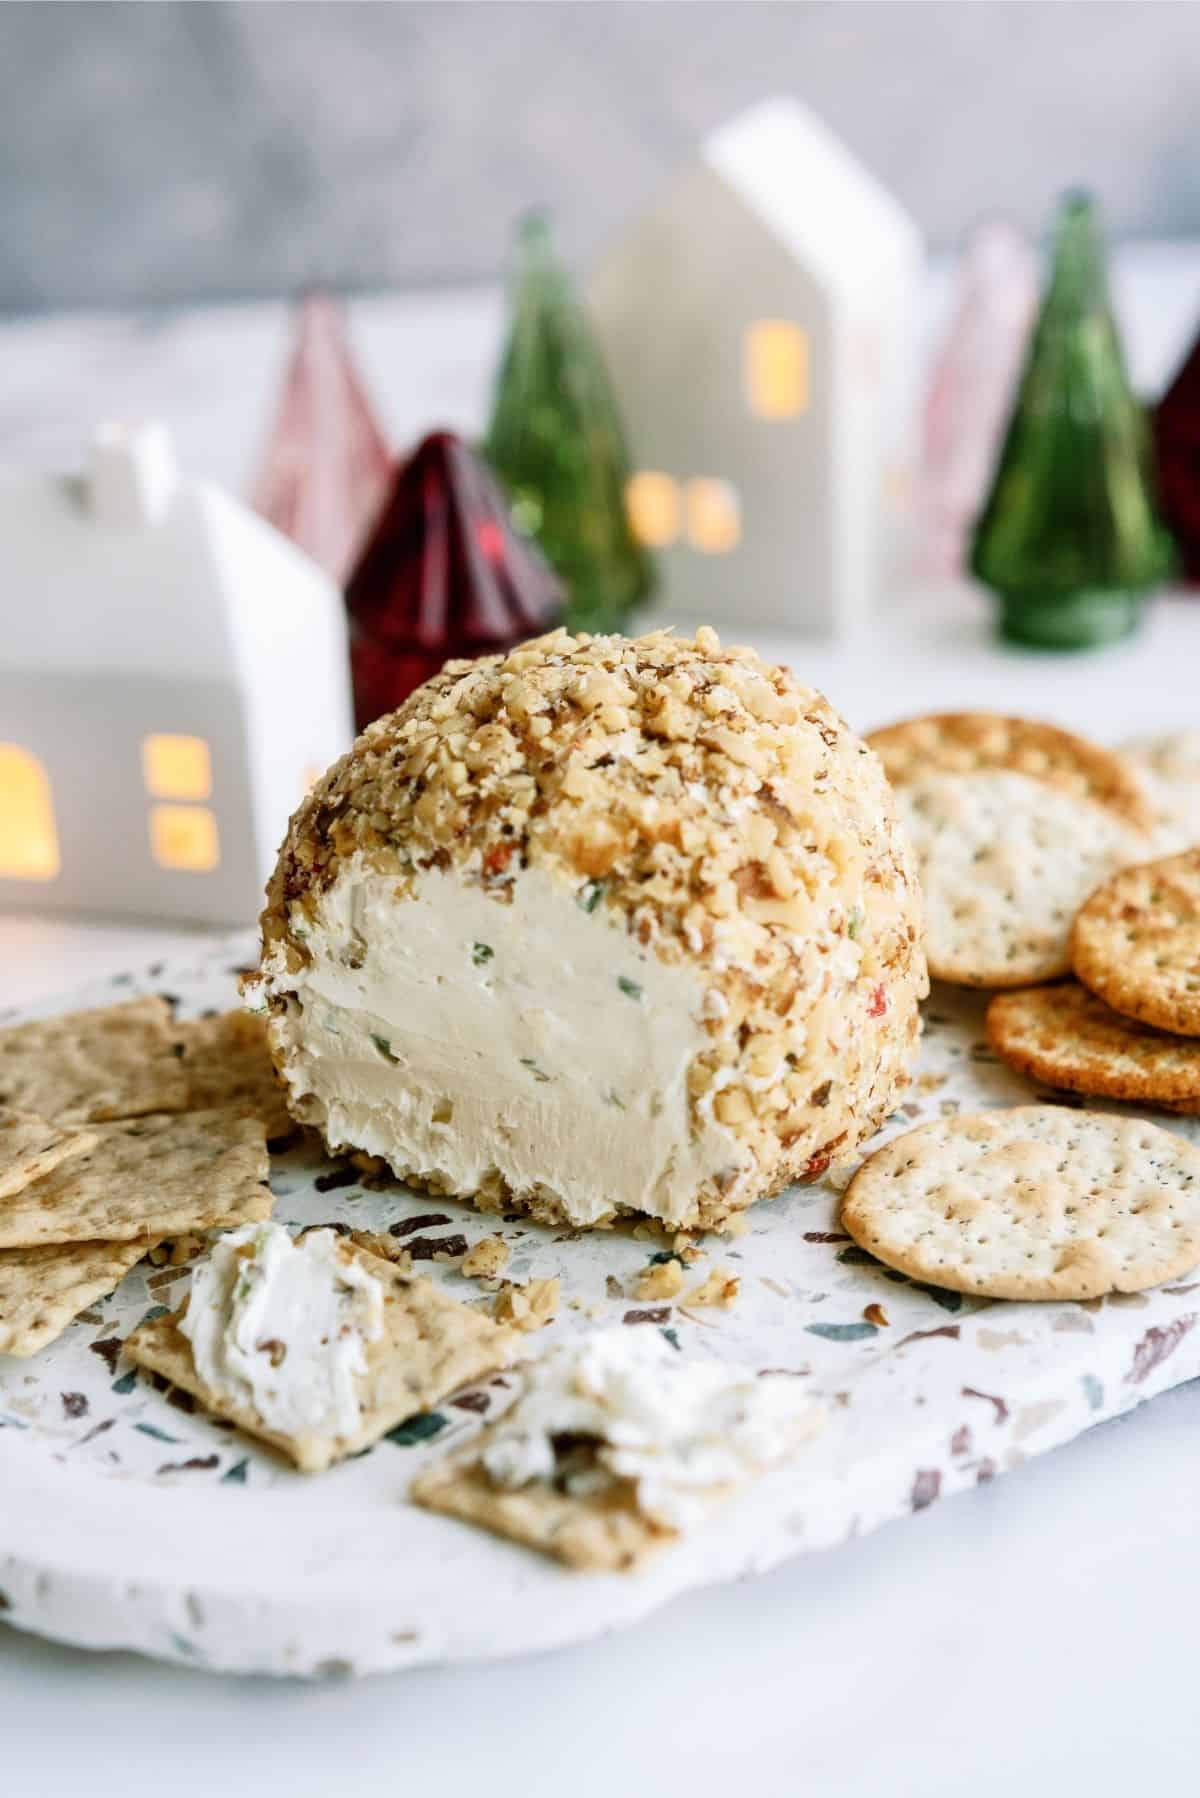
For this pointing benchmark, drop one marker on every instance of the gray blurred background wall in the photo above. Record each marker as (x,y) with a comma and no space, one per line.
(182,151)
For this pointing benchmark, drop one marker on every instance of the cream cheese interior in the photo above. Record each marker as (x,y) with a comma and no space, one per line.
(682,1430)
(458,1035)
(282,1327)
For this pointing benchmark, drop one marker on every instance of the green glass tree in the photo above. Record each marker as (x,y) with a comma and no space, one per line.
(1069,538)
(555,440)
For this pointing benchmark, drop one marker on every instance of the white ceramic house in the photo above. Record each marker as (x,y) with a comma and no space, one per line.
(759,326)
(173,674)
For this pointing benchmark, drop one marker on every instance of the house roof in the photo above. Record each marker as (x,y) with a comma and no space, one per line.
(815,198)
(178,597)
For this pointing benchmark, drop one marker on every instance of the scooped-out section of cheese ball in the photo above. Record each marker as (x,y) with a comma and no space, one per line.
(601,926)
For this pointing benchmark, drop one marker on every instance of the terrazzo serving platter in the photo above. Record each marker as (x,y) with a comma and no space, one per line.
(131,1521)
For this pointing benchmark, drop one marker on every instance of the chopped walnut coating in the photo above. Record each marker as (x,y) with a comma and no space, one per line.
(688,795)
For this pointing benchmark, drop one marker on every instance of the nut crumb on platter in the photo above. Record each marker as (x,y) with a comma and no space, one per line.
(528,1307)
(486,1259)
(719,1288)
(661,1280)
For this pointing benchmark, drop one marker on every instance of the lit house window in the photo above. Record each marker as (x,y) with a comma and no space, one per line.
(184,836)
(776,369)
(28,838)
(653,503)
(181,836)
(714,516)
(176,767)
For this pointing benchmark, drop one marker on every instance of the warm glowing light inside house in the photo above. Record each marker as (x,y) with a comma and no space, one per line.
(184,836)
(714,516)
(655,513)
(776,366)
(28,839)
(176,767)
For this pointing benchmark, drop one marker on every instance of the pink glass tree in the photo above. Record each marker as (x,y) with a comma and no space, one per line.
(326,463)
(971,389)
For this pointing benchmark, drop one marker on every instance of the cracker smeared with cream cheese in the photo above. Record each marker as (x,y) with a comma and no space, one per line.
(317,1346)
(618,1443)
(283,1327)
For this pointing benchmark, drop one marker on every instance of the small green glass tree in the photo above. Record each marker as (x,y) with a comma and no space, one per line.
(555,440)
(1069,538)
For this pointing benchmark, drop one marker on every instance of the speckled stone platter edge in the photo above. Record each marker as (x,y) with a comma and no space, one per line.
(129,1522)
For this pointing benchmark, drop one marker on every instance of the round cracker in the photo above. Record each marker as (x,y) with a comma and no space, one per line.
(1137,943)
(1005,863)
(1068,1037)
(974,742)
(1170,767)
(1035,1203)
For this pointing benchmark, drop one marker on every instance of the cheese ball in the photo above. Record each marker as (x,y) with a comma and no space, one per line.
(599,927)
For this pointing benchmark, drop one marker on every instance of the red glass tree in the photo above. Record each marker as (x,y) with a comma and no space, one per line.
(444,574)
(1177,456)
(326,464)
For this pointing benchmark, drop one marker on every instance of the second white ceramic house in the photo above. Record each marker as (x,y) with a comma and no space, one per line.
(759,326)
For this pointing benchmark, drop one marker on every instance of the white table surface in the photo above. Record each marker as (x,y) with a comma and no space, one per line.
(1036,1636)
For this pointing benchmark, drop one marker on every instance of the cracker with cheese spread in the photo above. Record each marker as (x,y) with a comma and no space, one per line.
(616,1446)
(317,1347)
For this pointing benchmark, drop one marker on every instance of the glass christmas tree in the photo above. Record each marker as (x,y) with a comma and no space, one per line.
(326,464)
(1069,538)
(556,442)
(1177,454)
(443,575)
(971,388)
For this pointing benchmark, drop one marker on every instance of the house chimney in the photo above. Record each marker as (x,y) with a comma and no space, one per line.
(132,474)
